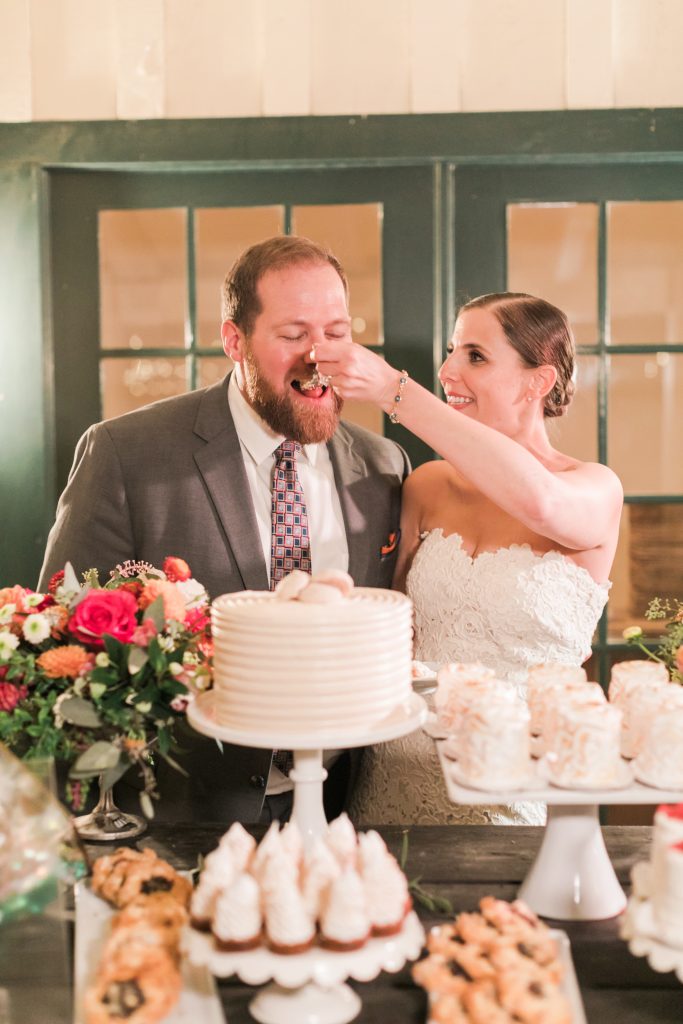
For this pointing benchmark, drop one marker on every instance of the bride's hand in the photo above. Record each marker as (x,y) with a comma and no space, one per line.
(357,373)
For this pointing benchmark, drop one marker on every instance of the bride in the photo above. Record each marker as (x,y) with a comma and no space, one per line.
(506,544)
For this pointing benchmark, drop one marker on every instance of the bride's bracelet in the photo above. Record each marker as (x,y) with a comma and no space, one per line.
(398,397)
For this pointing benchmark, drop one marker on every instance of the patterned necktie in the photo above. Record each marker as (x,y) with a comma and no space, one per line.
(290,547)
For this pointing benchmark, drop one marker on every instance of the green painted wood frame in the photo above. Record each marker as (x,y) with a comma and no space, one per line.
(627,145)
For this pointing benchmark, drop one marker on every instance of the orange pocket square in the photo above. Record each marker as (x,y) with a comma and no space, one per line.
(391,544)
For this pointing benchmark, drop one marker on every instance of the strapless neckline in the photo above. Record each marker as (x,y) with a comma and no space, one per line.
(458,540)
(509,609)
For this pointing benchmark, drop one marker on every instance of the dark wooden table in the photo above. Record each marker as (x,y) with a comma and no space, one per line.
(462,863)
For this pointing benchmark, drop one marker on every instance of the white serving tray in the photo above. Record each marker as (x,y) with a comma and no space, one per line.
(198,999)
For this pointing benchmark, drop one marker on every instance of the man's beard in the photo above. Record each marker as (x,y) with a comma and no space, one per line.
(283,414)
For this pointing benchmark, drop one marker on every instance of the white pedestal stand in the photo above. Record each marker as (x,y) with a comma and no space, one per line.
(572,878)
(304,992)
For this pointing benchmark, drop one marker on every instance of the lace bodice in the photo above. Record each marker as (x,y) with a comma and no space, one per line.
(508,609)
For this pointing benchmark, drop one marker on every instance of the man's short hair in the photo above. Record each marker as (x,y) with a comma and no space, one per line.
(239,296)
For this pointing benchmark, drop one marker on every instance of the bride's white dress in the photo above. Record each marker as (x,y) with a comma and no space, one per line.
(508,609)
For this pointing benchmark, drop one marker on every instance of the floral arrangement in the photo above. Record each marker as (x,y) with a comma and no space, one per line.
(98,675)
(670,649)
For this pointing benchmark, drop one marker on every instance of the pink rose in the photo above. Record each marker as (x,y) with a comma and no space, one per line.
(110,612)
(176,569)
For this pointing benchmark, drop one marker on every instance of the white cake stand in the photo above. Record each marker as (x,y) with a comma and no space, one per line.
(572,878)
(639,926)
(310,988)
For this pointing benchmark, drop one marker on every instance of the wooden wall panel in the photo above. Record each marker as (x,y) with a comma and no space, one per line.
(15,61)
(589,53)
(73,59)
(287,58)
(140,58)
(649,65)
(513,57)
(214,58)
(361,57)
(437,42)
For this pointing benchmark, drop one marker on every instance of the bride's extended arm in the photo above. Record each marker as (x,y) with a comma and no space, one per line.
(578,509)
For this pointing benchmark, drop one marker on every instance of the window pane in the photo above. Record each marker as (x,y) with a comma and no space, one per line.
(210,370)
(354,234)
(221,235)
(143,278)
(127,384)
(645,273)
(645,422)
(649,563)
(553,253)
(576,433)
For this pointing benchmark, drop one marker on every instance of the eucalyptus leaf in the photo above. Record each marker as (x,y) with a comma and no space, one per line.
(146,805)
(96,759)
(112,775)
(79,711)
(155,612)
(174,764)
(137,659)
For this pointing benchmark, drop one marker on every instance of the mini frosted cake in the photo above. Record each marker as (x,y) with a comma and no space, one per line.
(626,675)
(586,747)
(316,655)
(667,896)
(640,704)
(459,685)
(668,829)
(493,744)
(660,760)
(546,680)
(550,702)
(339,891)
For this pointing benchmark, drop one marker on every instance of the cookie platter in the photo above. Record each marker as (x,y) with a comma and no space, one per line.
(198,1000)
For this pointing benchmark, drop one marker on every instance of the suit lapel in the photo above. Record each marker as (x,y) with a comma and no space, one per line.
(221,465)
(348,469)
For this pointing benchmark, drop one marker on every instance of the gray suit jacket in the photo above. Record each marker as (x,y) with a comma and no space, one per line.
(169,479)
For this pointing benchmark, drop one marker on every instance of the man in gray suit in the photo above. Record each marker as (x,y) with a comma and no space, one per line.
(191,476)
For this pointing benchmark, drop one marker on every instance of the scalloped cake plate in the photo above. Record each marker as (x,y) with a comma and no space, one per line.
(639,930)
(198,1000)
(322,966)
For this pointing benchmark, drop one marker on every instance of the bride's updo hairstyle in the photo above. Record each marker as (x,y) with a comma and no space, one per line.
(540,334)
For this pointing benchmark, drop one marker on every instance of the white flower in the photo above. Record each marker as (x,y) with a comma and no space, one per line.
(193,593)
(166,644)
(631,632)
(144,707)
(36,628)
(8,643)
(175,669)
(102,660)
(6,613)
(33,600)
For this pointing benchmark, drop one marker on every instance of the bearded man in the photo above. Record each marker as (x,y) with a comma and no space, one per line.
(192,476)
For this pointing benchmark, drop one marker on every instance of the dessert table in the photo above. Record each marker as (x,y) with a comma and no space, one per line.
(462,863)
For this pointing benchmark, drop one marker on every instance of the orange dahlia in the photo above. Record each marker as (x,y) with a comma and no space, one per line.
(14,595)
(174,604)
(65,662)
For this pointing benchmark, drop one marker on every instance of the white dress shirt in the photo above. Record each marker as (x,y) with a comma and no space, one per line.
(327,536)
